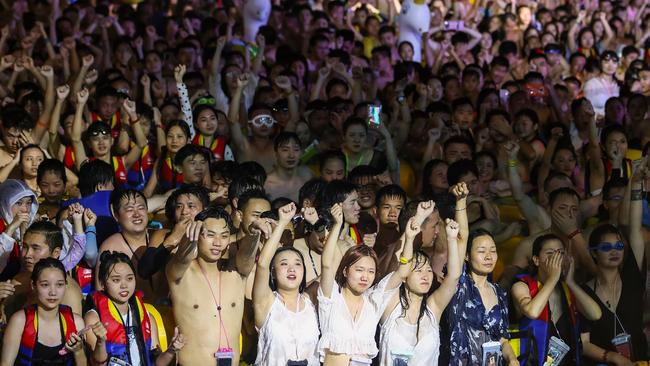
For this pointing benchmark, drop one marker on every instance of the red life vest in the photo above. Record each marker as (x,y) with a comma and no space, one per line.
(115,123)
(116,337)
(355,234)
(141,169)
(84,277)
(118,167)
(169,178)
(28,339)
(218,145)
(69,159)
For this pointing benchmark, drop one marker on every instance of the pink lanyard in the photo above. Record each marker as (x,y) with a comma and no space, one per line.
(216,303)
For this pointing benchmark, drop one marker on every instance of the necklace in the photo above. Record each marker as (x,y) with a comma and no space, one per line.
(610,295)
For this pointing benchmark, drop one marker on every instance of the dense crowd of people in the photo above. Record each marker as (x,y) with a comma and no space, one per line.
(363,182)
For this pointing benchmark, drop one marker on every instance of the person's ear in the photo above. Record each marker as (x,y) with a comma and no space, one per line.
(535,260)
(56,253)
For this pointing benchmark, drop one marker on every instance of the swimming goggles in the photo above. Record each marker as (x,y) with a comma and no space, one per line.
(263,120)
(607,247)
(96,133)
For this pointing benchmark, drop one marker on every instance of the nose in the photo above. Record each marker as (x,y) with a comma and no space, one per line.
(123,285)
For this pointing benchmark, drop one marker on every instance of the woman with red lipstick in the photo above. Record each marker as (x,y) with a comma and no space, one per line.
(618,288)
(350,304)
(284,315)
(410,323)
(44,333)
(121,326)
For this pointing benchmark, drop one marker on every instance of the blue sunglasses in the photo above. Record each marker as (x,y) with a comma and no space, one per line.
(606,247)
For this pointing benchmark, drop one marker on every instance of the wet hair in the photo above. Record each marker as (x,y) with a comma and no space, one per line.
(245,198)
(539,242)
(475,234)
(565,191)
(363,171)
(335,192)
(203,107)
(94,173)
(311,190)
(459,140)
(50,231)
(272,283)
(527,112)
(190,150)
(331,155)
(285,138)
(225,168)
(420,259)
(15,116)
(600,231)
(44,264)
(352,256)
(95,128)
(199,192)
(51,166)
(108,259)
(30,146)
(124,193)
(216,213)
(459,169)
(254,170)
(240,186)
(427,191)
(607,131)
(390,191)
(352,121)
(180,124)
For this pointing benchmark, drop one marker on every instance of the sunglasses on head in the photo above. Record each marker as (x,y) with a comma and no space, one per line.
(607,247)
(610,57)
(263,120)
(205,100)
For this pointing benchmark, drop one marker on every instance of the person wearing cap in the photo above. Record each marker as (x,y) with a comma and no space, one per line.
(559,66)
(599,89)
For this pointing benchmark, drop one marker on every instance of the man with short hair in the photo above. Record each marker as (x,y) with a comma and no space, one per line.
(287,175)
(207,287)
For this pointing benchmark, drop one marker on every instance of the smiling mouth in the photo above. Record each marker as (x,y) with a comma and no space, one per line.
(138,221)
(291,277)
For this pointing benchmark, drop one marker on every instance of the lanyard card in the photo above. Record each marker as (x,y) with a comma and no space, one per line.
(224,356)
(360,361)
(114,361)
(557,349)
(491,354)
(401,357)
(623,344)
(297,363)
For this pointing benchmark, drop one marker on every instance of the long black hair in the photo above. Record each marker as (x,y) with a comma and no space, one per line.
(420,260)
(273,283)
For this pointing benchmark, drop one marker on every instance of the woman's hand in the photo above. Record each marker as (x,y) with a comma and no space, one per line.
(452,228)
(74,343)
(413,228)
(178,341)
(89,217)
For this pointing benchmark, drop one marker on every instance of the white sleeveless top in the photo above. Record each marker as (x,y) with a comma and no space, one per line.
(340,334)
(398,336)
(286,335)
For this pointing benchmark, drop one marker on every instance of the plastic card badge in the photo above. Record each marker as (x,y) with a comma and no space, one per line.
(224,356)
(557,349)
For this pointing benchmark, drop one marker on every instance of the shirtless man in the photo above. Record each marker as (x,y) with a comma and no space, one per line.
(129,208)
(207,290)
(287,176)
(260,123)
(43,239)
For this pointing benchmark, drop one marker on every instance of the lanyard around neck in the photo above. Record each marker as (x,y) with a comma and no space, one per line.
(216,303)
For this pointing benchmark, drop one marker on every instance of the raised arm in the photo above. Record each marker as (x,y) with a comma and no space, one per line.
(259,57)
(186,253)
(329,263)
(47,73)
(637,244)
(391,153)
(245,259)
(586,305)
(87,63)
(135,152)
(77,129)
(460,191)
(440,298)
(323,75)
(528,208)
(533,307)
(240,141)
(284,84)
(262,294)
(55,143)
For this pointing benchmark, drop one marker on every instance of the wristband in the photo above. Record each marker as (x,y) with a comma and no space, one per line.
(513,163)
(461,209)
(404,260)
(573,234)
(636,195)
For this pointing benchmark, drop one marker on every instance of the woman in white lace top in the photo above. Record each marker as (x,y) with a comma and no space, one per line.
(349,303)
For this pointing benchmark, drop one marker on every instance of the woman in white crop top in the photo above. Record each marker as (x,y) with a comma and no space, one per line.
(349,306)
(285,318)
(409,326)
